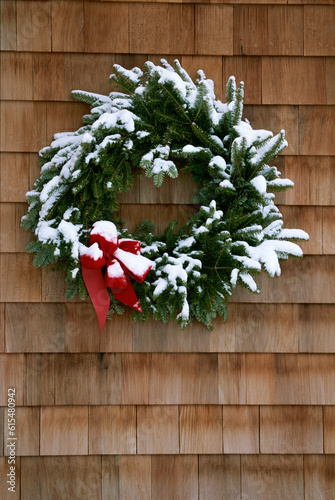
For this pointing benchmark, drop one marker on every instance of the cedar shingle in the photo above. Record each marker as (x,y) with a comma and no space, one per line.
(17,132)
(284,80)
(276,477)
(291,429)
(64,430)
(219,477)
(201,429)
(319,476)
(183,379)
(216,19)
(48,68)
(14,177)
(40,379)
(27,431)
(67,26)
(93,379)
(126,477)
(112,430)
(157,430)
(240,429)
(106,27)
(176,475)
(319,30)
(16,76)
(33,26)
(8,25)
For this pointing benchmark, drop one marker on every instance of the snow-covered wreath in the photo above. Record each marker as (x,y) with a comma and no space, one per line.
(157,123)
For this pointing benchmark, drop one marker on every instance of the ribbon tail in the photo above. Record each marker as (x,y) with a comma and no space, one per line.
(127,296)
(96,288)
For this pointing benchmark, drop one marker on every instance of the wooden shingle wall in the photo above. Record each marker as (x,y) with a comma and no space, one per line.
(150,412)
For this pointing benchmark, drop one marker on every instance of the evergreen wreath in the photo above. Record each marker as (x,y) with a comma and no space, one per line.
(159,122)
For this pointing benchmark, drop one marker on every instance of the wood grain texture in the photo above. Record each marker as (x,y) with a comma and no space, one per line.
(318,30)
(54,286)
(126,477)
(328,242)
(35,327)
(268,30)
(33,26)
(82,331)
(135,378)
(219,477)
(87,379)
(314,123)
(157,430)
(291,429)
(67,26)
(249,328)
(329,425)
(255,398)
(313,178)
(232,379)
(319,476)
(13,237)
(2,328)
(176,475)
(67,478)
(17,134)
(68,327)
(304,379)
(284,80)
(14,177)
(330,75)
(290,379)
(112,430)
(2,412)
(11,375)
(106,27)
(64,430)
(169,338)
(316,333)
(40,379)
(8,25)
(161,28)
(201,429)
(73,328)
(276,379)
(183,379)
(216,19)
(25,287)
(240,429)
(27,431)
(248,70)
(6,494)
(16,76)
(88,72)
(276,477)
(49,77)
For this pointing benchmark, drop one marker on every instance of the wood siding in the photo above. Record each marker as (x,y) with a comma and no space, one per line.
(147,411)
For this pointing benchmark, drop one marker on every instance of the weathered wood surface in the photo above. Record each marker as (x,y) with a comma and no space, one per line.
(246,411)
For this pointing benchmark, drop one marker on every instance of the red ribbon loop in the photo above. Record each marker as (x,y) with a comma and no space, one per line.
(122,259)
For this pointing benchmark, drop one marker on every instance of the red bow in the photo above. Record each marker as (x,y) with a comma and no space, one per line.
(123,259)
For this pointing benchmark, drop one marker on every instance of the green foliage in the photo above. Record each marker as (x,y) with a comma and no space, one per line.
(160,122)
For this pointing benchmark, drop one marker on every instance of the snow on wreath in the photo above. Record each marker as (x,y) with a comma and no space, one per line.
(158,123)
